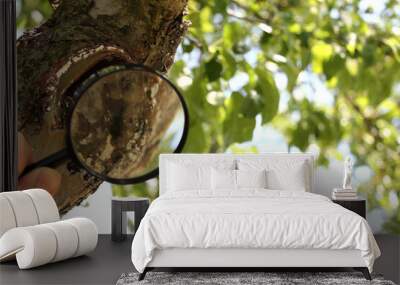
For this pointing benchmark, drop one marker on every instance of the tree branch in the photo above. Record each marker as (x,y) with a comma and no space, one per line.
(257,16)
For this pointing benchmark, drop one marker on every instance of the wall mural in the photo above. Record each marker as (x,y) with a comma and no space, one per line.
(55,59)
(321,73)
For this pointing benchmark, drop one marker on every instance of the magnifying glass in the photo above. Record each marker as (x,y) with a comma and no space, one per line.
(123,117)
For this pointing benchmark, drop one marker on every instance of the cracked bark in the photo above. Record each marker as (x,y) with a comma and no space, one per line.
(79,35)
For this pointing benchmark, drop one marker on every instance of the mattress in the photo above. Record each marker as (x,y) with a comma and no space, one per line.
(250,219)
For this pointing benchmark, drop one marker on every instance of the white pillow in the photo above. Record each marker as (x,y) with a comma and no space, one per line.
(251,178)
(223,179)
(183,178)
(282,174)
(295,180)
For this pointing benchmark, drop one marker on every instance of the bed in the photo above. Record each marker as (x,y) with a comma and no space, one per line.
(247,211)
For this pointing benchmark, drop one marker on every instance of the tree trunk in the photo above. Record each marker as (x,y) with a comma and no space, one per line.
(80,35)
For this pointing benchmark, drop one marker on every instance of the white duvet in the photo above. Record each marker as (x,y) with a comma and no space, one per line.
(250,219)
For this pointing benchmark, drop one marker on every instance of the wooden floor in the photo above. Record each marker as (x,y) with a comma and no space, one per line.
(103,266)
(110,260)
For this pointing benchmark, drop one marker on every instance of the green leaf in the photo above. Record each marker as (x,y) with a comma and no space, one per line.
(240,48)
(265,40)
(394,44)
(220,6)
(300,136)
(333,65)
(198,141)
(233,33)
(195,96)
(213,68)
(295,28)
(269,94)
(206,20)
(187,47)
(236,127)
(251,106)
(321,52)
(323,160)
(368,53)
(304,39)
(176,70)
(229,63)
(291,73)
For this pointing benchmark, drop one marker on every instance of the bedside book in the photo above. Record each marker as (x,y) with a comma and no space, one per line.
(344,194)
(334,197)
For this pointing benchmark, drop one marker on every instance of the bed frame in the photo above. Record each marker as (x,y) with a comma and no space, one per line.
(246,259)
(250,259)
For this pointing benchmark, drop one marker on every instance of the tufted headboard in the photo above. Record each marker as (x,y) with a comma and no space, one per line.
(231,159)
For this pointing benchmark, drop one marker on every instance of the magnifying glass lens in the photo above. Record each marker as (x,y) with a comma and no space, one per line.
(123,121)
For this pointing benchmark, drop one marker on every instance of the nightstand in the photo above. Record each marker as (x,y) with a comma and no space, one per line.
(358,206)
(119,207)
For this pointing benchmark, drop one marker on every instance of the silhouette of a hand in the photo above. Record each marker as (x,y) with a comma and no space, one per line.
(42,177)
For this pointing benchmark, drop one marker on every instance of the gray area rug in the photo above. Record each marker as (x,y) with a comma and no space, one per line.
(233,278)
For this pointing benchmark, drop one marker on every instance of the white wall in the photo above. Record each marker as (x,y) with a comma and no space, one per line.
(98,209)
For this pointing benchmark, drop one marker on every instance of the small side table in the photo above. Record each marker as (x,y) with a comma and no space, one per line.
(119,207)
(358,206)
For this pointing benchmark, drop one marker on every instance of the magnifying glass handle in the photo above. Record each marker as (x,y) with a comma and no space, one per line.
(49,161)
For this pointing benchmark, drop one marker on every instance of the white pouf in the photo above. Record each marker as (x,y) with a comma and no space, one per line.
(22,208)
(41,244)
(31,232)
(46,207)
(26,208)
(7,218)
